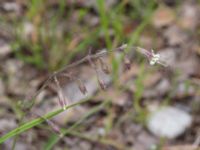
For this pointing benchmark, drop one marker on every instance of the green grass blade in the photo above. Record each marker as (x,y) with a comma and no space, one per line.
(104,19)
(36,122)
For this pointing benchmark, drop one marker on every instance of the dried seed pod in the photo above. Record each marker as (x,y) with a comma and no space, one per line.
(127,63)
(102,84)
(104,66)
(61,97)
(81,86)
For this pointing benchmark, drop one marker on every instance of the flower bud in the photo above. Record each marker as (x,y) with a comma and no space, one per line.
(102,84)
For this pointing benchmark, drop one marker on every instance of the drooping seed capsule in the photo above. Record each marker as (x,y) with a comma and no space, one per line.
(104,66)
(102,84)
(127,63)
(61,100)
(61,97)
(81,86)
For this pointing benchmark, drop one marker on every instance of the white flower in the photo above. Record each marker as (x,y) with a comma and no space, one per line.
(152,57)
(155,58)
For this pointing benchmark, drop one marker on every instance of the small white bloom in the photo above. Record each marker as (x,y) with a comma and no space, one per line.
(155,58)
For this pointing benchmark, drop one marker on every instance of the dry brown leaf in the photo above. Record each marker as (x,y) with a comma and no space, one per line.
(189,16)
(163,16)
(175,36)
(152,79)
(134,70)
(117,97)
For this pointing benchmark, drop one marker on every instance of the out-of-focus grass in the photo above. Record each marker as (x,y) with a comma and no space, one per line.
(104,19)
(139,90)
(48,51)
(137,97)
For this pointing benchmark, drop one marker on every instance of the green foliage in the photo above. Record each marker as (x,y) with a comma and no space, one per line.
(33,56)
(139,90)
(36,122)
